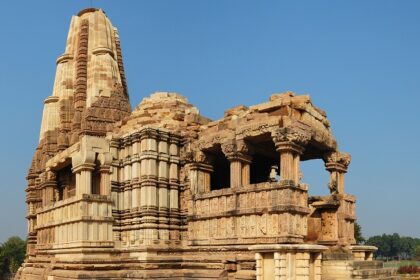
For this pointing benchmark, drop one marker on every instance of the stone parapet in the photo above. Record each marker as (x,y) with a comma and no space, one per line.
(261,213)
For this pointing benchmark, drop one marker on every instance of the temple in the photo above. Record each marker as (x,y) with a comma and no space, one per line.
(162,192)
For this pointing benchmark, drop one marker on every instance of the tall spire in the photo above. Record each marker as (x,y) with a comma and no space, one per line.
(90,90)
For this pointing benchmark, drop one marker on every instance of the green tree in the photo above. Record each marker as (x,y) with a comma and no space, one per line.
(381,243)
(417,253)
(358,234)
(394,246)
(12,255)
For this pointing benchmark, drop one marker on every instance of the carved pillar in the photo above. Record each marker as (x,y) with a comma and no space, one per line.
(83,165)
(48,188)
(235,152)
(337,163)
(85,186)
(105,160)
(246,172)
(290,142)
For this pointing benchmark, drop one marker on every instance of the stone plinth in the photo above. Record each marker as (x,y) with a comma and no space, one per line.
(362,252)
(288,261)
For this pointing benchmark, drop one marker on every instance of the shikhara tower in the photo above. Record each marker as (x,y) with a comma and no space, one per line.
(162,192)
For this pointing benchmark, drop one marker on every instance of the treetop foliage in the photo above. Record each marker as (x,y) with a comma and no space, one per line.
(395,246)
(12,255)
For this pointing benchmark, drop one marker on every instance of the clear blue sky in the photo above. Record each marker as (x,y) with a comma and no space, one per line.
(359,60)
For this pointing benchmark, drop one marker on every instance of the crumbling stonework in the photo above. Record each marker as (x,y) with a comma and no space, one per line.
(162,192)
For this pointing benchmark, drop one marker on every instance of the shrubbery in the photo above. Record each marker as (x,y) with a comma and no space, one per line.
(409,269)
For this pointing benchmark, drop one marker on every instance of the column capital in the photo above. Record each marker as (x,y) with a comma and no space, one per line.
(105,169)
(236,151)
(84,167)
(337,161)
(291,138)
(198,157)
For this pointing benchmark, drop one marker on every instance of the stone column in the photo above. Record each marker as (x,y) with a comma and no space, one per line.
(83,178)
(49,187)
(290,142)
(83,165)
(236,153)
(337,163)
(105,184)
(246,172)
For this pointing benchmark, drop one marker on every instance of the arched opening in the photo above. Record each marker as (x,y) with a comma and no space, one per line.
(265,159)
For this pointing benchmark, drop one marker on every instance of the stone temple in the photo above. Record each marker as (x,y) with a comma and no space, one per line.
(161,192)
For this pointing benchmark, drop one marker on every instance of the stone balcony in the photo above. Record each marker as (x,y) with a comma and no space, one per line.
(270,212)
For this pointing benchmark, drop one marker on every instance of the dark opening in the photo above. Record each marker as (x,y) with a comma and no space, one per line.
(265,159)
(261,167)
(96,177)
(66,183)
(220,177)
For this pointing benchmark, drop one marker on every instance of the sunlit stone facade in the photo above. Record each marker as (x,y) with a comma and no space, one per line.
(161,192)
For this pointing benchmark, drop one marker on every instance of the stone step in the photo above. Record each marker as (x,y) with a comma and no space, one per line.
(378,273)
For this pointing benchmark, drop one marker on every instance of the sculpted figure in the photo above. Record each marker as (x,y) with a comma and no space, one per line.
(273,173)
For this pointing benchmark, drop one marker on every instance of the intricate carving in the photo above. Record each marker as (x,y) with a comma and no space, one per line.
(229,149)
(338,158)
(236,150)
(291,134)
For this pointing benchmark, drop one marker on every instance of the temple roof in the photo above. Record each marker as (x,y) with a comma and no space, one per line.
(168,110)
